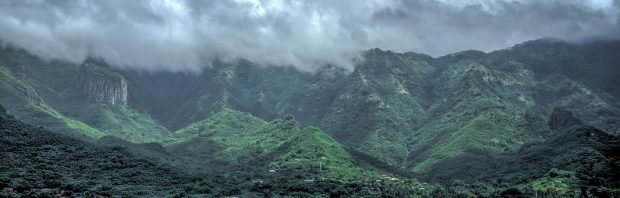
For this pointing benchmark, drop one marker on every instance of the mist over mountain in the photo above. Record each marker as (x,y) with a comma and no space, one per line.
(433,98)
(189,35)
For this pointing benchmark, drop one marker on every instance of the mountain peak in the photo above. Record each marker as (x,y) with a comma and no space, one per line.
(562,119)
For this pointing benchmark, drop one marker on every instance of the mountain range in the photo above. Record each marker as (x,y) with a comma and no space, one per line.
(524,117)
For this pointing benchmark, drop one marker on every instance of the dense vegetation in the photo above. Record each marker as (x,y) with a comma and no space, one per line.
(40,163)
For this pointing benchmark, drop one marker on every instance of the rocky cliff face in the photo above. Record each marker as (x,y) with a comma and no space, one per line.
(101,84)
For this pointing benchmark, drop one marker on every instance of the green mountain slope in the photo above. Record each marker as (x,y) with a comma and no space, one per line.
(25,103)
(231,137)
(381,105)
(477,111)
(572,162)
(119,121)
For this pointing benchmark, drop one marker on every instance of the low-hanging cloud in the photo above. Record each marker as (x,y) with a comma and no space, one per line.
(188,35)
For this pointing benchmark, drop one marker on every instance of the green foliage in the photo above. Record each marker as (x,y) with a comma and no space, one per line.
(226,123)
(74,125)
(312,148)
(380,106)
(236,137)
(556,183)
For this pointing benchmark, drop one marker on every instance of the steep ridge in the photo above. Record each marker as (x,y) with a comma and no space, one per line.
(380,105)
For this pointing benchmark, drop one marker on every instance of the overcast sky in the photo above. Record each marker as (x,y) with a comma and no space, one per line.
(187,35)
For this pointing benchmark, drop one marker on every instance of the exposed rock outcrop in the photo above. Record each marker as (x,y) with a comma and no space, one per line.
(101,84)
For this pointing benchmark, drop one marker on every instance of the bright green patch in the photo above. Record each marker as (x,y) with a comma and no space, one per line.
(556,182)
(280,143)
(74,125)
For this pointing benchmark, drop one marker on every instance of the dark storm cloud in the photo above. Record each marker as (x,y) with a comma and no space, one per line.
(187,35)
(437,28)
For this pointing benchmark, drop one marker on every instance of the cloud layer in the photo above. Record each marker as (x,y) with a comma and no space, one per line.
(187,35)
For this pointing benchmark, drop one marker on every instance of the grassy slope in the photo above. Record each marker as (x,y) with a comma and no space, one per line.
(314,148)
(235,137)
(23,101)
